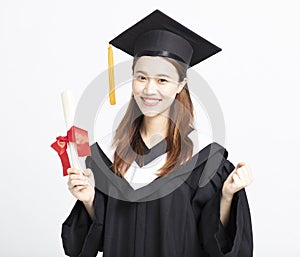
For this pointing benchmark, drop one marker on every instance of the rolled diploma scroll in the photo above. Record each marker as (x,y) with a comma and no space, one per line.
(69,107)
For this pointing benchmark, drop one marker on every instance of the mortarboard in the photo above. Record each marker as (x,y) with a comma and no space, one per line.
(159,35)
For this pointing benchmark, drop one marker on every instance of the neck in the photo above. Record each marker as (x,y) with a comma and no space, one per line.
(155,126)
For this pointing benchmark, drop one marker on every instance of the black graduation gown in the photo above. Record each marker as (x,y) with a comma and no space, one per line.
(183,223)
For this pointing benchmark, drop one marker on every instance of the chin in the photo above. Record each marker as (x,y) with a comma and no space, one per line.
(150,114)
(152,111)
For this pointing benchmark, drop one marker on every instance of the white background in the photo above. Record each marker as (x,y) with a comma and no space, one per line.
(46,47)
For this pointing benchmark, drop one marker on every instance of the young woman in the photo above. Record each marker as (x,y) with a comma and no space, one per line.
(205,214)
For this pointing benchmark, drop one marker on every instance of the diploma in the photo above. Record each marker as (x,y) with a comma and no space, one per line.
(69,108)
(76,140)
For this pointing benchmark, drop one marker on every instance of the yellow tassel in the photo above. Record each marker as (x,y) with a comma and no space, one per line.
(111,76)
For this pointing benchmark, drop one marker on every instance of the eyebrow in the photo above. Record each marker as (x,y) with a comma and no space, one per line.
(162,75)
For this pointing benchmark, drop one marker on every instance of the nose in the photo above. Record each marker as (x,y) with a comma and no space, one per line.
(150,86)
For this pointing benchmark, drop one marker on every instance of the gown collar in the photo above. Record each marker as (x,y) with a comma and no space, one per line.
(108,182)
(155,151)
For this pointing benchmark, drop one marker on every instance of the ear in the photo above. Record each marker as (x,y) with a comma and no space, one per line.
(181,85)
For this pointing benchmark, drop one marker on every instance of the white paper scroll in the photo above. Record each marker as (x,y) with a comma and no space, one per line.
(69,108)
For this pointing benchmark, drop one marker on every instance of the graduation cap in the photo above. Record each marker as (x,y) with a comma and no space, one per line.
(159,35)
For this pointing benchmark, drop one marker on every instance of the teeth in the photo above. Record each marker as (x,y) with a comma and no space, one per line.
(150,101)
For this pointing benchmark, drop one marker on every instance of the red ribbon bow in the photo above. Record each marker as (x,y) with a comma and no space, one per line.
(81,140)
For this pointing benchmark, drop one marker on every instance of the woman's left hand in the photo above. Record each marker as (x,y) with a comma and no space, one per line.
(239,178)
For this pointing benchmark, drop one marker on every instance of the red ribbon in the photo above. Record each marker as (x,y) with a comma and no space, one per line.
(80,138)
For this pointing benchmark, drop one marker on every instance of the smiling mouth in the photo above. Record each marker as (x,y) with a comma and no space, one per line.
(150,101)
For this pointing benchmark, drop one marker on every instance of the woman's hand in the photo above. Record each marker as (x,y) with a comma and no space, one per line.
(81,185)
(239,178)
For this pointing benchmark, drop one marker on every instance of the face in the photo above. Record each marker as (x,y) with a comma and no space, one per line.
(155,85)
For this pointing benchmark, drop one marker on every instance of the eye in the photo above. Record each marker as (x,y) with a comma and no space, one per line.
(141,78)
(162,81)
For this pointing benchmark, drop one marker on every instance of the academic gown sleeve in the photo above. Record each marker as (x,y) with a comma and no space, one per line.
(234,240)
(81,236)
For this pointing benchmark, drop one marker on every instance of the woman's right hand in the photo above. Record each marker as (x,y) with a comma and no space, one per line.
(82,185)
